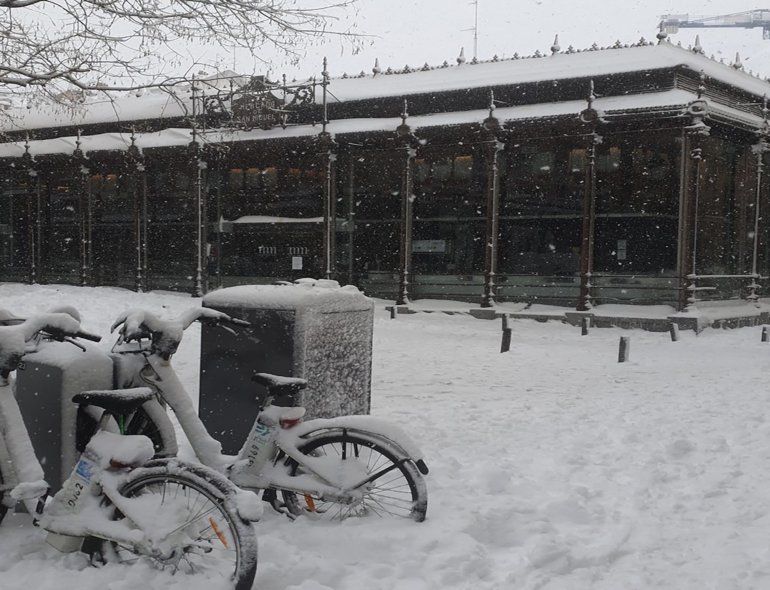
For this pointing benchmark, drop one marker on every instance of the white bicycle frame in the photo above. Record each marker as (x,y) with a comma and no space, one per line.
(326,479)
(84,513)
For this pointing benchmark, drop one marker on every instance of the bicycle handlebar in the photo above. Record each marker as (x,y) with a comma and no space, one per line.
(13,338)
(166,335)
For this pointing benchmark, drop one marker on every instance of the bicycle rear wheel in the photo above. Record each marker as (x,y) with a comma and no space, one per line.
(395,487)
(195,523)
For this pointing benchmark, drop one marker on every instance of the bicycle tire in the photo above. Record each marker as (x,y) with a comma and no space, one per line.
(229,528)
(386,461)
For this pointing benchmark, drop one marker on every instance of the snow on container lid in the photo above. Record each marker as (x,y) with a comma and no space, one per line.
(321,295)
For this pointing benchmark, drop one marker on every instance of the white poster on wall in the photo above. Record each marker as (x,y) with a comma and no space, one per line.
(621,250)
(429,246)
(296,263)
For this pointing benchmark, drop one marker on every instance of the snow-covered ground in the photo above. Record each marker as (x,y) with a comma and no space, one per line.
(552,466)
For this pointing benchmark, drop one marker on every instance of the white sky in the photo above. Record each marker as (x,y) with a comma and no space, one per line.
(415,31)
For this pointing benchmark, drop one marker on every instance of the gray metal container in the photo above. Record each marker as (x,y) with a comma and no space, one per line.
(315,330)
(44,390)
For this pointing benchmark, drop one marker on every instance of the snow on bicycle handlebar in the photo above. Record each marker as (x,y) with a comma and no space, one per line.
(13,338)
(166,334)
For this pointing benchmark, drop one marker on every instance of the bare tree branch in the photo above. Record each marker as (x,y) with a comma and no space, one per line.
(123,45)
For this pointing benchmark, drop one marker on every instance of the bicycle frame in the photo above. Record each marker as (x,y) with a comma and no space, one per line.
(23,480)
(325,480)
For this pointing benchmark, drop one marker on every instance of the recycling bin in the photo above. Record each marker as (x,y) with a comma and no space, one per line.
(313,329)
(44,389)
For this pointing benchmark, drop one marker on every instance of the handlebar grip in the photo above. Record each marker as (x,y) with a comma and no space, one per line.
(87,336)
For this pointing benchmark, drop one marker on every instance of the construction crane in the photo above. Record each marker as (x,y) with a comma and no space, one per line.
(751,19)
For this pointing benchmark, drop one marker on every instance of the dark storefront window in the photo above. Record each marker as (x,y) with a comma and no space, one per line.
(540,208)
(725,210)
(270,218)
(113,245)
(449,211)
(171,234)
(637,203)
(376,201)
(14,230)
(61,234)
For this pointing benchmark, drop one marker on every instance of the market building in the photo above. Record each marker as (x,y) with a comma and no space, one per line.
(628,174)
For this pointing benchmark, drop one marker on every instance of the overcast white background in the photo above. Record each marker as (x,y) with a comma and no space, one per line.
(413,32)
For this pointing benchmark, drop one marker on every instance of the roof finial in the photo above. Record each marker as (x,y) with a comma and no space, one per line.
(697,48)
(662,34)
(555,47)
(461,57)
(737,64)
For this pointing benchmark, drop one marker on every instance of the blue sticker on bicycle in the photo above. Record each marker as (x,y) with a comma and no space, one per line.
(85,469)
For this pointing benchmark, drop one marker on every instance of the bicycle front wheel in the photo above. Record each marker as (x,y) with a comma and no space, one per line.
(195,523)
(393,487)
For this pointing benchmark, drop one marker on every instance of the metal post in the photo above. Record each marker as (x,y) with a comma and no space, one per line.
(759,149)
(673,330)
(585,323)
(624,348)
(696,155)
(33,221)
(218,269)
(329,158)
(590,117)
(351,215)
(505,343)
(492,149)
(134,169)
(198,288)
(409,152)
(698,110)
(145,223)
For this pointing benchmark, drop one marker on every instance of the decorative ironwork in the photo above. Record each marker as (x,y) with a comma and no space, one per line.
(260,103)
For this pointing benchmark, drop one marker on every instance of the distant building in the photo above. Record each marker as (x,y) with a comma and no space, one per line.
(631,174)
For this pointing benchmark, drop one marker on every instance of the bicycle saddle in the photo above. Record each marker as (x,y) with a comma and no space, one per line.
(117,402)
(277,383)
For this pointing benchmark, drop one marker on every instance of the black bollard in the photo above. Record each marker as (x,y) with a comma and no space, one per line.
(765,337)
(623,348)
(584,323)
(674,331)
(393,312)
(505,344)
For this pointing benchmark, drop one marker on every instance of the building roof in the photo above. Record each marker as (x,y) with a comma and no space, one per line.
(560,66)
(159,104)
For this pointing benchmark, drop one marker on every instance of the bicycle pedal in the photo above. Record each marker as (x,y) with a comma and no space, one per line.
(41,503)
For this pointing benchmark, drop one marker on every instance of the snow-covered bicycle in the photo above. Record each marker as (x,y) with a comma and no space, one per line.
(333,468)
(119,504)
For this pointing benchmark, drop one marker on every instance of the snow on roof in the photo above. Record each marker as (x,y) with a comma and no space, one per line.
(158,104)
(105,108)
(667,100)
(560,66)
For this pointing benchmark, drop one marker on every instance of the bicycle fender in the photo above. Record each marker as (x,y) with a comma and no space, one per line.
(389,433)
